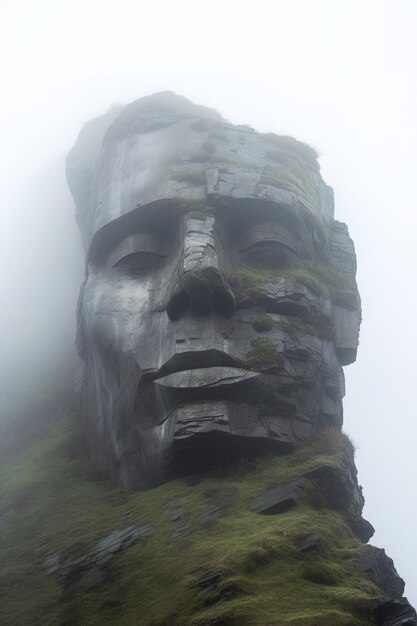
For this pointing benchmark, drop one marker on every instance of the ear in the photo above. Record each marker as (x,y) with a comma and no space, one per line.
(347,303)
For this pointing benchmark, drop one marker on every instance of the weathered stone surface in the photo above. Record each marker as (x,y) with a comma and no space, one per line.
(196,231)
(312,542)
(342,250)
(179,514)
(362,528)
(280,499)
(381,567)
(85,571)
(395,613)
(209,517)
(347,316)
(210,587)
(181,520)
(342,485)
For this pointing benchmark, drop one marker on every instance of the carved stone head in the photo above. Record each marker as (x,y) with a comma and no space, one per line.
(220,299)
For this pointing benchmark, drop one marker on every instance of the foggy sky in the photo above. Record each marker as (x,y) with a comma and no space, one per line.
(337,74)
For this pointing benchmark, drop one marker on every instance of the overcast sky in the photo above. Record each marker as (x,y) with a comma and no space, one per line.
(338,74)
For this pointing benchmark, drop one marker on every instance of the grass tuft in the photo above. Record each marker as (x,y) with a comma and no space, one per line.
(262,354)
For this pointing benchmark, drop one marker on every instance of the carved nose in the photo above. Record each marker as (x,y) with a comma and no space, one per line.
(202,293)
(201,288)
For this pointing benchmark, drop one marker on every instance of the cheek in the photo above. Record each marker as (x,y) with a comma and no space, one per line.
(114,311)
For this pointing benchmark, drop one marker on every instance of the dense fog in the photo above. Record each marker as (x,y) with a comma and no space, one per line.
(338,75)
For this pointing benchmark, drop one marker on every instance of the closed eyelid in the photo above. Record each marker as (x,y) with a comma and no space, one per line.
(265,233)
(137,243)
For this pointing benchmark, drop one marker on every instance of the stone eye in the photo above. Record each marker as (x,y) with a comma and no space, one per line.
(138,263)
(270,253)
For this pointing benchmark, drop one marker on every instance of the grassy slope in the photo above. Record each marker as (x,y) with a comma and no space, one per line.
(57,505)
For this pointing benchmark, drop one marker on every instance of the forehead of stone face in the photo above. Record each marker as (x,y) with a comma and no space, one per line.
(164,147)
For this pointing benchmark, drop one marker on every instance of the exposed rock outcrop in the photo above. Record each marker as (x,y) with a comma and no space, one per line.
(86,571)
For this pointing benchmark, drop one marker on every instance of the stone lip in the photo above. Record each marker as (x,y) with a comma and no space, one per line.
(194,359)
(206,377)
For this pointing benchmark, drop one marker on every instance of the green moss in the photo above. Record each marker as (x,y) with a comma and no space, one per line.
(248,281)
(283,175)
(317,325)
(329,442)
(323,279)
(56,507)
(262,354)
(227,329)
(264,323)
(292,175)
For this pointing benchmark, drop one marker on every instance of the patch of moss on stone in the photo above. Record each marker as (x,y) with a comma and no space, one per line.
(264,323)
(248,281)
(51,505)
(227,329)
(262,354)
(317,325)
(292,175)
(323,279)
(271,175)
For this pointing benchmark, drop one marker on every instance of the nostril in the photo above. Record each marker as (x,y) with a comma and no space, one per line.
(200,297)
(178,305)
(223,302)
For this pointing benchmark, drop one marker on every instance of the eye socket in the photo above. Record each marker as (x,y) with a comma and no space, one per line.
(270,253)
(138,263)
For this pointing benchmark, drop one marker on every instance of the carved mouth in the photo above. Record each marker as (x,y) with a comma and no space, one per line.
(206,377)
(194,377)
(201,360)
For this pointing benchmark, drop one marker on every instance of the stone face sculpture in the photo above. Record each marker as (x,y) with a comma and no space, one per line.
(220,301)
